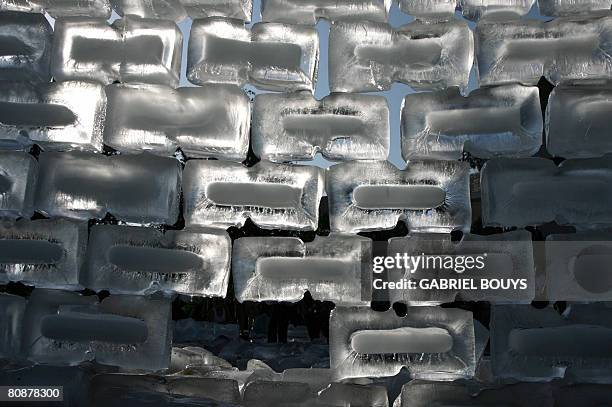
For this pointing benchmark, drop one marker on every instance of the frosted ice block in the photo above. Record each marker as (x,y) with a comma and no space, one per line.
(572,8)
(578,266)
(271,56)
(26,46)
(45,253)
(532,191)
(495,9)
(57,116)
(240,9)
(429,196)
(307,12)
(132,49)
(12,308)
(562,49)
(490,122)
(139,188)
(532,344)
(426,394)
(65,328)
(63,8)
(369,56)
(577,119)
(213,120)
(295,126)
(432,343)
(433,10)
(332,268)
(507,256)
(275,196)
(135,260)
(18,177)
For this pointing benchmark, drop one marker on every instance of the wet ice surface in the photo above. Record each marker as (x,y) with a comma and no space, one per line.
(508,256)
(429,196)
(240,9)
(134,260)
(207,121)
(577,118)
(177,10)
(433,343)
(66,328)
(63,8)
(370,56)
(18,177)
(12,308)
(295,126)
(130,50)
(45,253)
(25,40)
(429,9)
(533,191)
(270,56)
(495,9)
(426,394)
(540,344)
(223,194)
(571,8)
(87,186)
(497,121)
(56,116)
(307,12)
(283,268)
(562,49)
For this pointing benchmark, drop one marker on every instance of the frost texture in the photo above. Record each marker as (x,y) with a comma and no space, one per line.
(208,121)
(178,10)
(307,12)
(18,177)
(130,50)
(430,196)
(57,116)
(275,196)
(369,56)
(271,56)
(295,126)
(135,260)
(63,8)
(532,191)
(490,122)
(26,41)
(562,49)
(45,253)
(572,7)
(87,186)
(418,329)
(331,268)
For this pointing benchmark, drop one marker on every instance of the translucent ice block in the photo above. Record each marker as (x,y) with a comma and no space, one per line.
(135,260)
(432,343)
(273,393)
(579,266)
(295,126)
(307,12)
(270,56)
(130,50)
(430,196)
(562,49)
(188,357)
(213,120)
(139,188)
(497,121)
(153,9)
(532,344)
(507,256)
(45,253)
(368,56)
(18,177)
(332,268)
(25,40)
(12,308)
(275,196)
(62,327)
(353,395)
(429,9)
(495,9)
(426,394)
(240,9)
(57,116)
(63,8)
(532,191)
(572,8)
(577,119)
